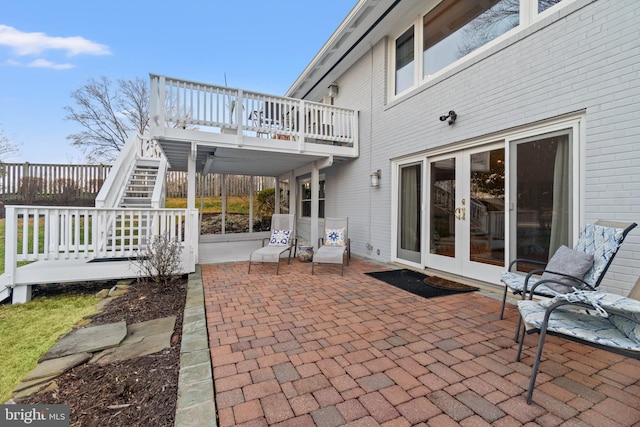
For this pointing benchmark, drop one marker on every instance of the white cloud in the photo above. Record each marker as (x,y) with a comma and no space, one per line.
(43,63)
(35,43)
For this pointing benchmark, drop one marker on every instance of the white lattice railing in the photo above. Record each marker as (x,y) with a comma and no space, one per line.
(182,103)
(51,233)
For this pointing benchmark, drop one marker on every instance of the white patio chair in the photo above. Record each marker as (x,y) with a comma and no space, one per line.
(335,246)
(282,240)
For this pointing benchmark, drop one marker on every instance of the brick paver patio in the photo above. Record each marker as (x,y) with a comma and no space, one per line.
(329,350)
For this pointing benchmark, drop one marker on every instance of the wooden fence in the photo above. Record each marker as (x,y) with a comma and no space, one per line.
(31,182)
(211,185)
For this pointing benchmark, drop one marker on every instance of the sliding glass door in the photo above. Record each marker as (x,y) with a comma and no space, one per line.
(542,195)
(470,211)
(410,213)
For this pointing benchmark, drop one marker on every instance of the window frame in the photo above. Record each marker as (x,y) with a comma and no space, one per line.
(528,16)
(395,58)
(322,190)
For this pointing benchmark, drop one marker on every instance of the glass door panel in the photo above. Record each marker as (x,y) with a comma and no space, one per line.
(410,213)
(486,207)
(442,208)
(542,194)
(467,212)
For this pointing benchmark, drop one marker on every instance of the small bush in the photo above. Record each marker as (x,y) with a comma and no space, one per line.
(66,190)
(160,260)
(267,202)
(30,187)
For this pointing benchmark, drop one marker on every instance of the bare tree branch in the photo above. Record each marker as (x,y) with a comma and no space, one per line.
(496,20)
(7,148)
(107,115)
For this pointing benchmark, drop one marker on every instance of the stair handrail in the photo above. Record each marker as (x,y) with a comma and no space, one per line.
(114,186)
(158,197)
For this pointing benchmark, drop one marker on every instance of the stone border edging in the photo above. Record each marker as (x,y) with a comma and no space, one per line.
(196,404)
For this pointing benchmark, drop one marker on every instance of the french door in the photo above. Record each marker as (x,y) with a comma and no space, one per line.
(466,212)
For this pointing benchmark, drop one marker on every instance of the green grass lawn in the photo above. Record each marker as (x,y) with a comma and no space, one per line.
(1,245)
(238,205)
(28,331)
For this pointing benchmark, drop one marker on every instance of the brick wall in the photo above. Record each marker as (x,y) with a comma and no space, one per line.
(584,58)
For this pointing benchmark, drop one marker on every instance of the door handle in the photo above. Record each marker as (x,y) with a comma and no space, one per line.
(460,213)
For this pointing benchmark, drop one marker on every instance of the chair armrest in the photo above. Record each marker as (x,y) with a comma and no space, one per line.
(579,283)
(265,240)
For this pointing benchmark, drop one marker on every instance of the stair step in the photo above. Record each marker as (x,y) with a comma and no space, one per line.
(138,192)
(139,188)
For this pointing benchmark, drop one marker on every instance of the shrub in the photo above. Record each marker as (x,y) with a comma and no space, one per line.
(160,260)
(66,190)
(30,187)
(267,202)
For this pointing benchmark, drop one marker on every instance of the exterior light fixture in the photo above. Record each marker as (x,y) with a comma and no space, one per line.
(333,89)
(452,116)
(375,178)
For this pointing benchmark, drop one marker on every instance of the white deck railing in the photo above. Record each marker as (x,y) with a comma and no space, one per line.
(53,233)
(183,103)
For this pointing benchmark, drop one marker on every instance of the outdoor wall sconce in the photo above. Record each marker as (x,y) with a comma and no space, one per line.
(375,178)
(451,116)
(333,89)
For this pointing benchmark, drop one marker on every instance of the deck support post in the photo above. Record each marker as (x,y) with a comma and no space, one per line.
(21,294)
(315,203)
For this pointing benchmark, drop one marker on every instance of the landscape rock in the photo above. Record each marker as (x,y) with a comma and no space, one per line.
(142,338)
(90,339)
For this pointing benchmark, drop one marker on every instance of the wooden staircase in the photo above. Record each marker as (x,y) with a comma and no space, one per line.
(139,188)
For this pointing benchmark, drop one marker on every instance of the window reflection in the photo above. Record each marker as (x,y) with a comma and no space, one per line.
(546,4)
(454,29)
(404,61)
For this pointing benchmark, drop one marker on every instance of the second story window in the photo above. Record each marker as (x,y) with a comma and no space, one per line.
(454,29)
(405,59)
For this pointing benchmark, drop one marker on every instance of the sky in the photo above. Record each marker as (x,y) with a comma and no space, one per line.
(49,49)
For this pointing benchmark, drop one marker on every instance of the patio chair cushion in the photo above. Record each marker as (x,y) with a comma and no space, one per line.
(280,237)
(579,324)
(567,261)
(628,327)
(601,241)
(334,236)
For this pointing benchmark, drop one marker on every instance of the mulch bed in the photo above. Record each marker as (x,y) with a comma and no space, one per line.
(138,392)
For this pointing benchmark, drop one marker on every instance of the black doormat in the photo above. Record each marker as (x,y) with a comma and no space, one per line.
(420,284)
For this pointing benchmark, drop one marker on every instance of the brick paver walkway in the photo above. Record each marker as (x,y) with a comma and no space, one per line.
(301,350)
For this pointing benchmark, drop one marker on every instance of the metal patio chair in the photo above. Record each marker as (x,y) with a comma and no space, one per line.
(335,246)
(282,240)
(601,240)
(598,319)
